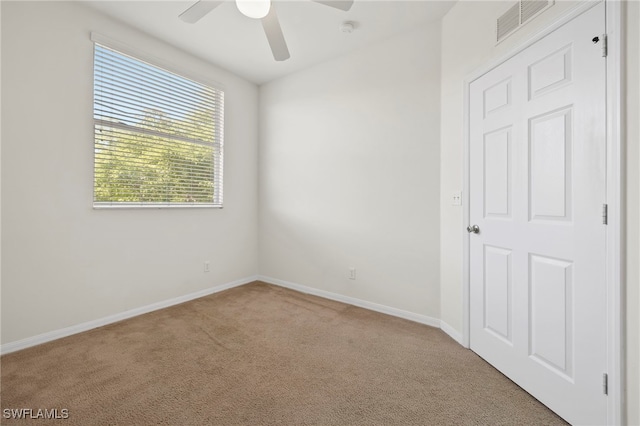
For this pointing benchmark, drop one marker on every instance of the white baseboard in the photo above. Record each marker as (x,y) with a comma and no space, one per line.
(452,332)
(422,319)
(89,325)
(85,326)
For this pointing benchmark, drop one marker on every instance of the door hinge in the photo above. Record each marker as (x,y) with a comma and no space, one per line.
(605,214)
(605,383)
(605,47)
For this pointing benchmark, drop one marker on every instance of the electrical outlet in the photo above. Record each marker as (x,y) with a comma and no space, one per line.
(206,266)
(456,199)
(352,273)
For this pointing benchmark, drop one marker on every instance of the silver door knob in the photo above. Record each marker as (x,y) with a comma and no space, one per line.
(473,229)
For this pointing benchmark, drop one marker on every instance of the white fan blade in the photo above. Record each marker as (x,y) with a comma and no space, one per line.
(338,4)
(198,10)
(275,37)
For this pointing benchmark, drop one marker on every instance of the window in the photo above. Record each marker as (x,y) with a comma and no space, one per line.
(158,136)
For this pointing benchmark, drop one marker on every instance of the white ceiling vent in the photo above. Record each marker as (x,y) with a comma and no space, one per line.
(519,14)
(530,8)
(508,22)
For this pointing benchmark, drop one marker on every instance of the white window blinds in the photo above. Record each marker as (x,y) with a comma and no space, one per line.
(158,136)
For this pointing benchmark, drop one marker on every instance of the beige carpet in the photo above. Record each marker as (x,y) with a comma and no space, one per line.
(263,355)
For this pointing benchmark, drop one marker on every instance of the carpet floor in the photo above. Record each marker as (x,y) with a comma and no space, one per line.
(263,355)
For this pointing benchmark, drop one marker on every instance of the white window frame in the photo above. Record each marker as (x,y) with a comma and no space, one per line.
(218,160)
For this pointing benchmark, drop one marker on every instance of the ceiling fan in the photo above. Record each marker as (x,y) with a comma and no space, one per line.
(258,9)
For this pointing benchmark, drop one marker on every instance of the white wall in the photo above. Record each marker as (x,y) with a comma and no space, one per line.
(63,262)
(349,174)
(633,211)
(467,44)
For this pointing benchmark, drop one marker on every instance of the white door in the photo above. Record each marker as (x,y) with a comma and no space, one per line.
(537,188)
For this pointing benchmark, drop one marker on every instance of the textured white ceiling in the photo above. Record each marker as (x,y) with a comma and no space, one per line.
(232,41)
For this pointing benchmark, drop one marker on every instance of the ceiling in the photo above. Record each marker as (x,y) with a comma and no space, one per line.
(232,41)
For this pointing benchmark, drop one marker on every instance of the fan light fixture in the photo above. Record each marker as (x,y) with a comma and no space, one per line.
(256,9)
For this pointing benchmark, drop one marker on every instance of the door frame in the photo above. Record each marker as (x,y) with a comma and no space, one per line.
(615,186)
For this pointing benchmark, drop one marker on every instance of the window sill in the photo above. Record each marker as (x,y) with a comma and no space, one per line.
(100,206)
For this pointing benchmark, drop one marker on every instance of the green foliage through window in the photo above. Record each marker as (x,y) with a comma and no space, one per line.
(158,136)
